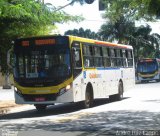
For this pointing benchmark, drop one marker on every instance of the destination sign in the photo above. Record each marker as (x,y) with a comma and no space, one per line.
(41,42)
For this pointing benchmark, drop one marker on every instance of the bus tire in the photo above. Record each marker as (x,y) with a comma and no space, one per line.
(119,96)
(40,107)
(88,102)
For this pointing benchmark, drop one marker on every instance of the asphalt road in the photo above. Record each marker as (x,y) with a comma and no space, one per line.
(137,114)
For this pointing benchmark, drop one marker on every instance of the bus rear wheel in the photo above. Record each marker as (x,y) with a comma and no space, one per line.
(119,96)
(40,107)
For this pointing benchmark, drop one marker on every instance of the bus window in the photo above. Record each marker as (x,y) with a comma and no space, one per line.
(105,51)
(21,66)
(106,57)
(51,64)
(112,52)
(76,57)
(119,56)
(124,58)
(113,58)
(129,58)
(98,61)
(88,56)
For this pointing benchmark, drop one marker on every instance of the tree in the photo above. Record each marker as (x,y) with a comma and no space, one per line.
(20,18)
(140,40)
(145,44)
(122,15)
(83,33)
(125,32)
(133,9)
(118,30)
(156,41)
(27,18)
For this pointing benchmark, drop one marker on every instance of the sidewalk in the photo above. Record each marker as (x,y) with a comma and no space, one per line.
(7,100)
(6,94)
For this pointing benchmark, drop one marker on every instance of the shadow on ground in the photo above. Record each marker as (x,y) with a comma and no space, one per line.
(52,110)
(104,123)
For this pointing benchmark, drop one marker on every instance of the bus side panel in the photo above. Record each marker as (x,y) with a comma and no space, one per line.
(88,77)
(107,82)
(104,82)
(110,82)
(77,88)
(95,76)
(66,97)
(128,78)
(99,83)
(118,76)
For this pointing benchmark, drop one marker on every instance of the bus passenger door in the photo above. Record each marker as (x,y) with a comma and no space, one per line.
(77,71)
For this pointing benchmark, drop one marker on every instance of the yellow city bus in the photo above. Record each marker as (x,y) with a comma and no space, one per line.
(61,69)
(148,69)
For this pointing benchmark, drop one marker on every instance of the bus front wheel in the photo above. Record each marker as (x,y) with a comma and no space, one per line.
(88,102)
(40,107)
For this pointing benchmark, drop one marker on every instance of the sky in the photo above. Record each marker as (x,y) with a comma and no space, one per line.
(90,12)
(93,17)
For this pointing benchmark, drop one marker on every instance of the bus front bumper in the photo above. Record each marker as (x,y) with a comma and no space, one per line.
(66,97)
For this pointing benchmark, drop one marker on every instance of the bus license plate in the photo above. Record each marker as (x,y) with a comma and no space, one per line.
(40,99)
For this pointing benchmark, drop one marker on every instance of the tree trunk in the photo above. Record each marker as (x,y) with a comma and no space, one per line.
(7,84)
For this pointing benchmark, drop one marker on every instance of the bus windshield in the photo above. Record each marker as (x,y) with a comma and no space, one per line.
(49,63)
(147,67)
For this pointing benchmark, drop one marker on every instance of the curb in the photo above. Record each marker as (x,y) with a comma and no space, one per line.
(4,111)
(6,106)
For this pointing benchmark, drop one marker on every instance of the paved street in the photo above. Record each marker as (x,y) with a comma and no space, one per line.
(137,114)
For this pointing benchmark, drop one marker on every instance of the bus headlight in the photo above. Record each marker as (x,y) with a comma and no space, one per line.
(65,89)
(15,89)
(68,87)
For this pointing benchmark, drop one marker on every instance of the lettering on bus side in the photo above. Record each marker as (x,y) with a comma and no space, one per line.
(94,75)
